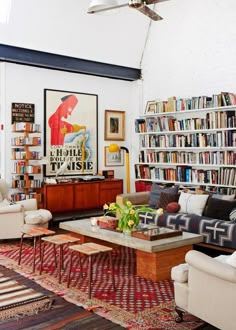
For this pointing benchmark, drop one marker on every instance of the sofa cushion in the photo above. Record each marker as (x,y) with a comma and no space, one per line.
(156,191)
(192,204)
(173,207)
(219,208)
(166,198)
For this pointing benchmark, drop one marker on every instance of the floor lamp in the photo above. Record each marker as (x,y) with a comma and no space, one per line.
(115,148)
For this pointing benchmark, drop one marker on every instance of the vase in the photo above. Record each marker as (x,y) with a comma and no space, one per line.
(127,232)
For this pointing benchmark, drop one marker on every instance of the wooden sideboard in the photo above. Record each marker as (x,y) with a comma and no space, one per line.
(82,195)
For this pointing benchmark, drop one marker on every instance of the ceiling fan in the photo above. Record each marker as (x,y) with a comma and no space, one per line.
(141,5)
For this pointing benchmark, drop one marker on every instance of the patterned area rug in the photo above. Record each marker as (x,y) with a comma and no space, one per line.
(137,303)
(17,300)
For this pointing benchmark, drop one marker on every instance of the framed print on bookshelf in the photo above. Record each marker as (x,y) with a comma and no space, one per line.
(114,125)
(113,158)
(151,107)
(70,133)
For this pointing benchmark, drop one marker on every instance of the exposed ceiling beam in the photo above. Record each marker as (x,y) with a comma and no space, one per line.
(66,63)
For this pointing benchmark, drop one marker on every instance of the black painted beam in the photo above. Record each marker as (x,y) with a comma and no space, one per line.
(66,63)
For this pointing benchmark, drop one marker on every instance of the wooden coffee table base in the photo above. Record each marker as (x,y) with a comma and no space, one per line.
(157,266)
(153,266)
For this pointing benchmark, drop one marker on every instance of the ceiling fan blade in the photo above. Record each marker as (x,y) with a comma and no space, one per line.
(151,2)
(105,9)
(150,13)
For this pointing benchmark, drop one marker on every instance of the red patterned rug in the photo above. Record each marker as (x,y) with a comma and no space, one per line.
(137,303)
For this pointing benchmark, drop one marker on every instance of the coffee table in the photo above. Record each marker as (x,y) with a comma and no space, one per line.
(154,259)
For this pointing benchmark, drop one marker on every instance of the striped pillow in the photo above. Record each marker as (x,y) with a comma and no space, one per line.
(232,216)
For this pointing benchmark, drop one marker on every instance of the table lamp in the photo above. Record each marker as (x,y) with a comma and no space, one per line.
(115,148)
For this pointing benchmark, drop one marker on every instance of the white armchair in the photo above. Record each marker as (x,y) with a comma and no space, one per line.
(22,215)
(206,287)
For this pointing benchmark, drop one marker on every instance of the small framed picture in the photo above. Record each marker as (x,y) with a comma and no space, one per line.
(113,158)
(114,125)
(151,107)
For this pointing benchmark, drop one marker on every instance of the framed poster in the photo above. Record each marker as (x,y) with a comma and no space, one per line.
(113,158)
(70,133)
(114,125)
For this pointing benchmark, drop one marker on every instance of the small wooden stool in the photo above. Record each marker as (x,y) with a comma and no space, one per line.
(60,241)
(90,249)
(34,233)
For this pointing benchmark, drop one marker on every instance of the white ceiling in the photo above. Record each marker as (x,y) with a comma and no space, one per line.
(64,27)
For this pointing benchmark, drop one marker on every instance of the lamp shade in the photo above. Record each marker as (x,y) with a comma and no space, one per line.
(101,4)
(114,147)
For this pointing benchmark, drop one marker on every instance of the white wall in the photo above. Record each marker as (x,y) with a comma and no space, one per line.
(26,84)
(192,51)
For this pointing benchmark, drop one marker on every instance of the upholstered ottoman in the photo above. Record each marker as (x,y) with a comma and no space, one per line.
(37,218)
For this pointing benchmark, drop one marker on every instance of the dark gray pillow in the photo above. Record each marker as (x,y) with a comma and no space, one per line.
(219,208)
(155,193)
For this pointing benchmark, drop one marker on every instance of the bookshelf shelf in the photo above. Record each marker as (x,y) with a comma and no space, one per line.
(26,171)
(189,147)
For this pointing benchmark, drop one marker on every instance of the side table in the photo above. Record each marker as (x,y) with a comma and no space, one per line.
(35,233)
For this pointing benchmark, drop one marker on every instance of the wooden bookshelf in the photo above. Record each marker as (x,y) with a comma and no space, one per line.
(26,171)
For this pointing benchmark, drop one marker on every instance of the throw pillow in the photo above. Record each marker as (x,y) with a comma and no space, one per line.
(192,204)
(219,208)
(156,191)
(166,198)
(173,207)
(224,197)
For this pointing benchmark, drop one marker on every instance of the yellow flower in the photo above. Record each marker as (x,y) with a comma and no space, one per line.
(130,223)
(105,207)
(159,211)
(132,211)
(128,204)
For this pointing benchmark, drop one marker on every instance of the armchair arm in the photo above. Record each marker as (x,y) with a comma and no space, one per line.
(211,266)
(11,209)
(136,198)
(29,204)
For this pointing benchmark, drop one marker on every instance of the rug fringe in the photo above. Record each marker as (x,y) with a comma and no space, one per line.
(26,310)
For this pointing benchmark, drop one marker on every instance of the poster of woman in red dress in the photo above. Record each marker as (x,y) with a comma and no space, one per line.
(71,132)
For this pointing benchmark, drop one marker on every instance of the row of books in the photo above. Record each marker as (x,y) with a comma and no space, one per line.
(23,140)
(196,102)
(25,127)
(226,157)
(25,155)
(187,174)
(213,120)
(20,167)
(35,183)
(202,140)
(22,196)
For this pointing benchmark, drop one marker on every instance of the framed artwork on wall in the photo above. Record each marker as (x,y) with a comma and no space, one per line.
(114,125)
(151,107)
(113,158)
(70,133)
